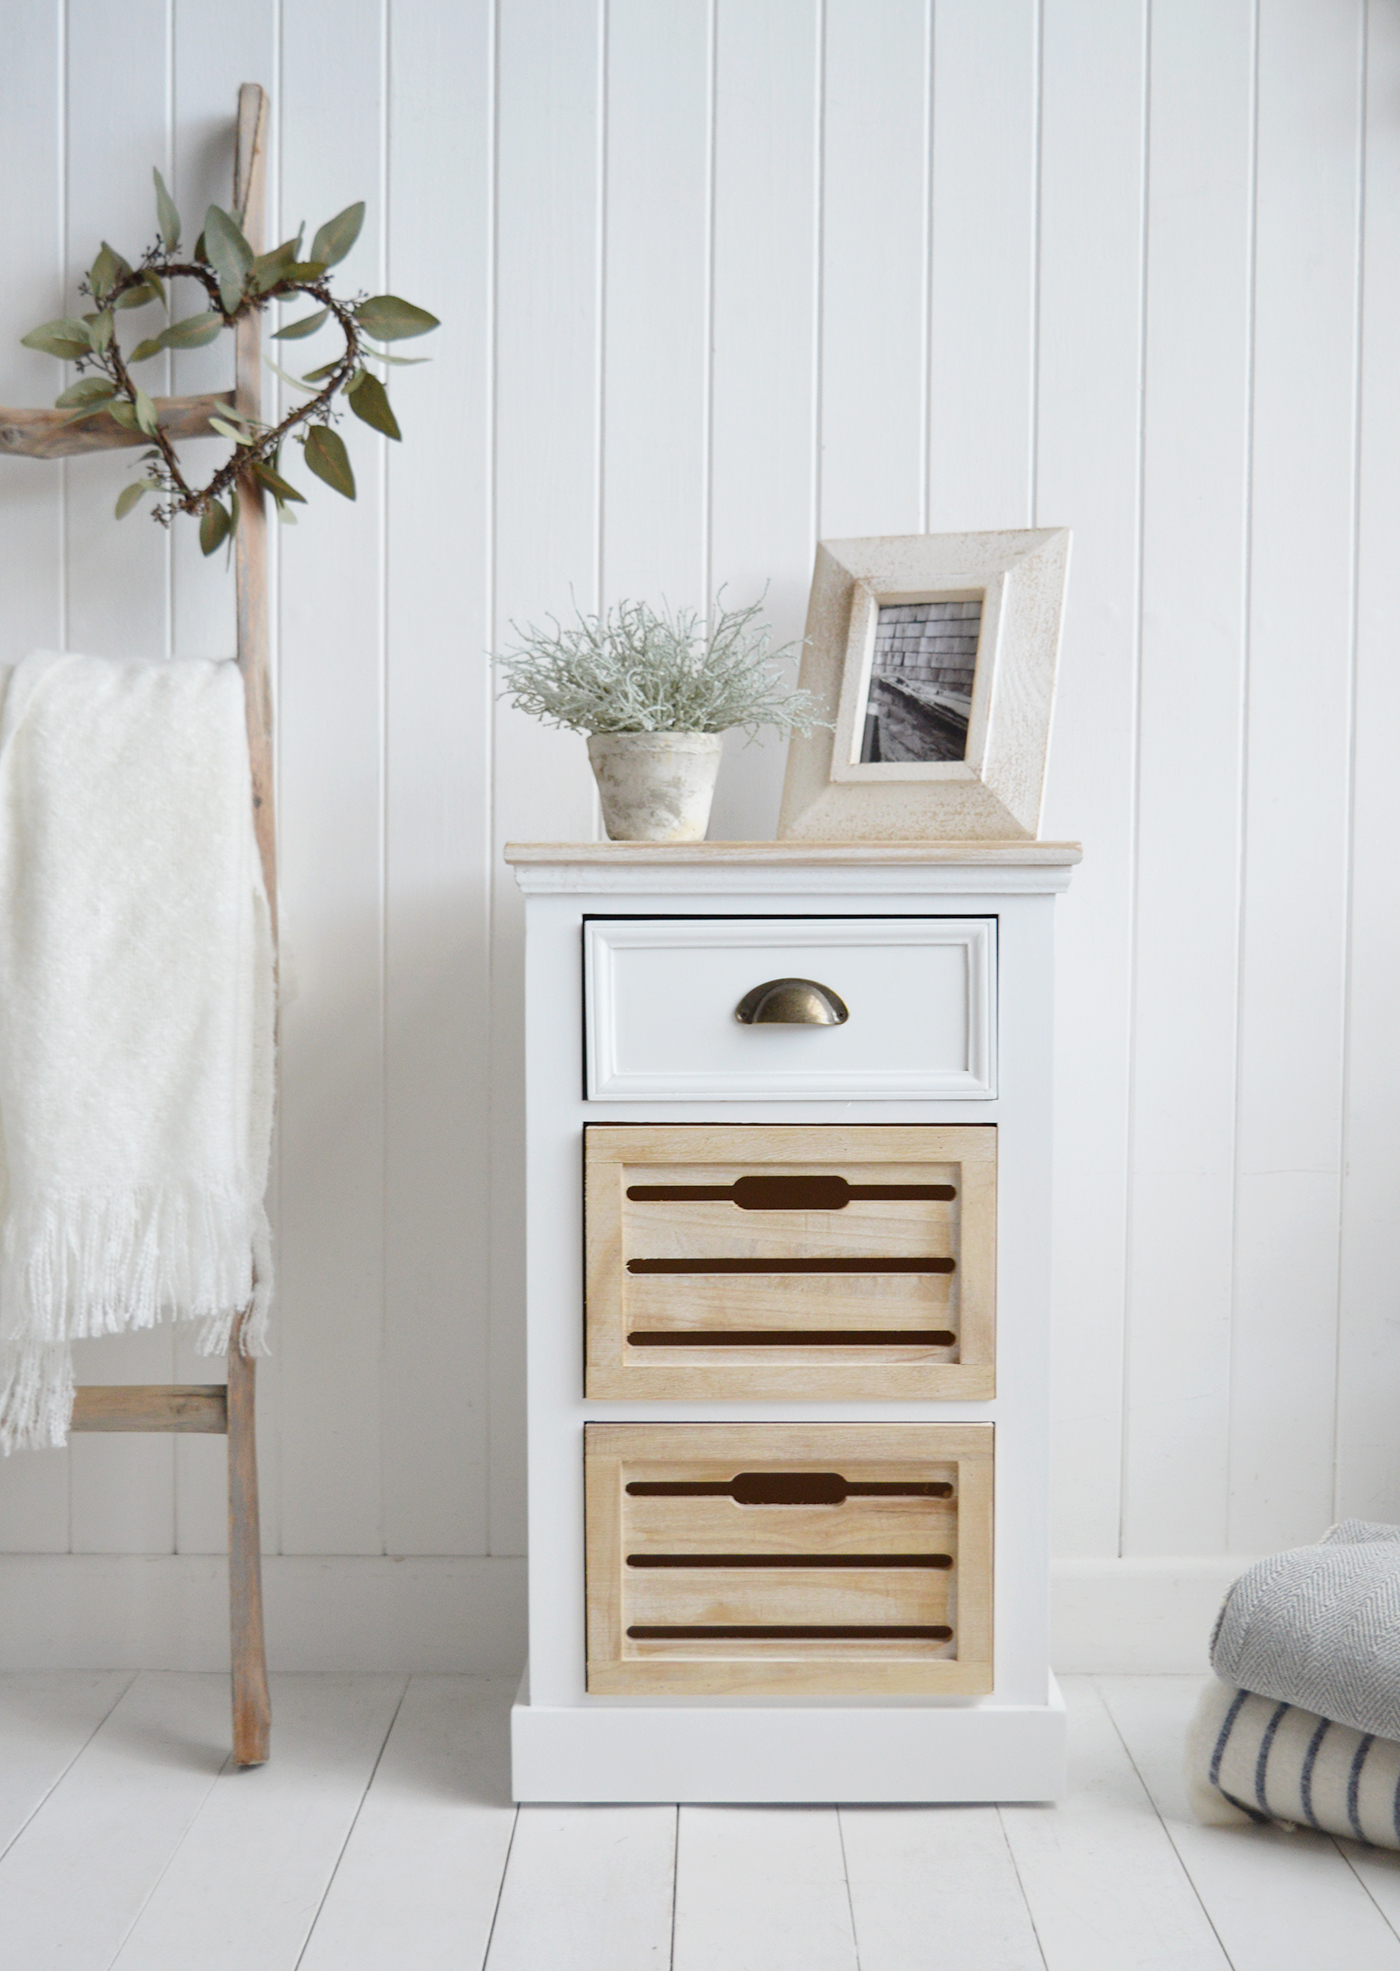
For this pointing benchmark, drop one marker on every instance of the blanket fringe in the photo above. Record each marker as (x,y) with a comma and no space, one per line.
(74,1265)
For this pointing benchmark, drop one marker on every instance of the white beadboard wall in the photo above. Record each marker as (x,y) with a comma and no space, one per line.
(717,278)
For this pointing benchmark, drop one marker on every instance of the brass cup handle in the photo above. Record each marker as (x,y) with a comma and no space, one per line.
(792,1003)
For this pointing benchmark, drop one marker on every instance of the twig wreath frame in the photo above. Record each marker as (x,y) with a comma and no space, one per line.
(237,282)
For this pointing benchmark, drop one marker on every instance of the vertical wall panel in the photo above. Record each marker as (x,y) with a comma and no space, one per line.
(546,520)
(1296,816)
(982,298)
(656,302)
(1196,488)
(1368,1470)
(874,280)
(762,487)
(118,606)
(331,706)
(1091,243)
(439,839)
(33,1491)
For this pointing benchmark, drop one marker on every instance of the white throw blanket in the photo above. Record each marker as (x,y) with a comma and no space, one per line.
(136,1020)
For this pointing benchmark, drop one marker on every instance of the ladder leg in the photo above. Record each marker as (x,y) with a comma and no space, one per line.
(252,1708)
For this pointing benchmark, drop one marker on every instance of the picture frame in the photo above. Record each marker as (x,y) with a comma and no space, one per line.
(935,656)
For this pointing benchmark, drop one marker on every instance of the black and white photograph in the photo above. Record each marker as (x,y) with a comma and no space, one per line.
(921,677)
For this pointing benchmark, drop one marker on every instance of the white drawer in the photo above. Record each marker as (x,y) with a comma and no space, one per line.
(661,995)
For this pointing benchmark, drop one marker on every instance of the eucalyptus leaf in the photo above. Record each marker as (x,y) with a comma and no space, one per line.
(146,289)
(61,337)
(327,457)
(214,525)
(383,356)
(166,214)
(327,369)
(308,325)
(146,419)
(235,510)
(388,319)
(295,381)
(275,483)
(124,414)
(131,496)
(369,400)
(143,351)
(270,268)
(88,392)
(306,270)
(106,270)
(285,515)
(192,332)
(201,251)
(229,255)
(240,433)
(335,239)
(100,330)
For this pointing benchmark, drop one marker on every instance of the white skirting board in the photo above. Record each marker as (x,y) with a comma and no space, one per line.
(418,1615)
(754,1753)
(1138,1617)
(454,1614)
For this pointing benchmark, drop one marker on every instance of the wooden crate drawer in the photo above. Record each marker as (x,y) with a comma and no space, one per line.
(790,1260)
(789,1557)
(662,996)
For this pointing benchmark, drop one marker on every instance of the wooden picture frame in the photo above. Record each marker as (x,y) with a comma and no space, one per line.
(891,629)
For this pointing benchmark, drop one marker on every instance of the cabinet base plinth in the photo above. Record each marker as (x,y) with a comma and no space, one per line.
(753,1753)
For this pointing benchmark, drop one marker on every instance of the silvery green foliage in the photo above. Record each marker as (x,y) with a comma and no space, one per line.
(635,670)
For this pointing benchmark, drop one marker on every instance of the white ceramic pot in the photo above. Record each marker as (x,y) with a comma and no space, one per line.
(655,786)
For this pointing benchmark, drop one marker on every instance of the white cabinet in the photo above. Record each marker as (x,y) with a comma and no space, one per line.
(787,1323)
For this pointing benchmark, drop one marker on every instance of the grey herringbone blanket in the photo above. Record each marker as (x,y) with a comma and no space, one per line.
(1319,1627)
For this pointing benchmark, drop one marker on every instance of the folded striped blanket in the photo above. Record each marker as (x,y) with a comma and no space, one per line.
(1251,1758)
(1319,1627)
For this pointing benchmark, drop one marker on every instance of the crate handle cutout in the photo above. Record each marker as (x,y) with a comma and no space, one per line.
(791,1338)
(921,1263)
(791,1632)
(788,1488)
(811,1193)
(790,1560)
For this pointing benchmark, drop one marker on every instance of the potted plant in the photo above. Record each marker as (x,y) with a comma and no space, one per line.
(655,691)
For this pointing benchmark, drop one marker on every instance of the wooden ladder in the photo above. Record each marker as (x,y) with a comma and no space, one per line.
(225,1408)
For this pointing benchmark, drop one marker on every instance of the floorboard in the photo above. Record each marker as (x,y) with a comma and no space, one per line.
(382,1833)
(249,1876)
(1106,1889)
(46,1718)
(1277,1900)
(918,1873)
(424,1863)
(79,1875)
(587,1889)
(762,1889)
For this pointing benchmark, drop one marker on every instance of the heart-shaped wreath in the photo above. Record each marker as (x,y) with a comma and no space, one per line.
(237,282)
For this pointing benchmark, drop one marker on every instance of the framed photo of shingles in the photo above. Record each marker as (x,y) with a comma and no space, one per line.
(935,655)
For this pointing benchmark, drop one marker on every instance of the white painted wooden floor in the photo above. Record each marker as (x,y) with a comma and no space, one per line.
(381,1836)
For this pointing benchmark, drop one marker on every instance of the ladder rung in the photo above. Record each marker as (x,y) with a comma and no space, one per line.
(151,1406)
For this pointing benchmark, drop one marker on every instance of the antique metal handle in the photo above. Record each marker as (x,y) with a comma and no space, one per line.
(792,1002)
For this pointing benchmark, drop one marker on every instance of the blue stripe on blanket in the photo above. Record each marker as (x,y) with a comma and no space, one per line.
(1236,1706)
(1324,1725)
(1354,1783)
(1262,1762)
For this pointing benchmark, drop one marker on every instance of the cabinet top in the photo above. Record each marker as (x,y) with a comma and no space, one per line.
(794,855)
(788,869)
